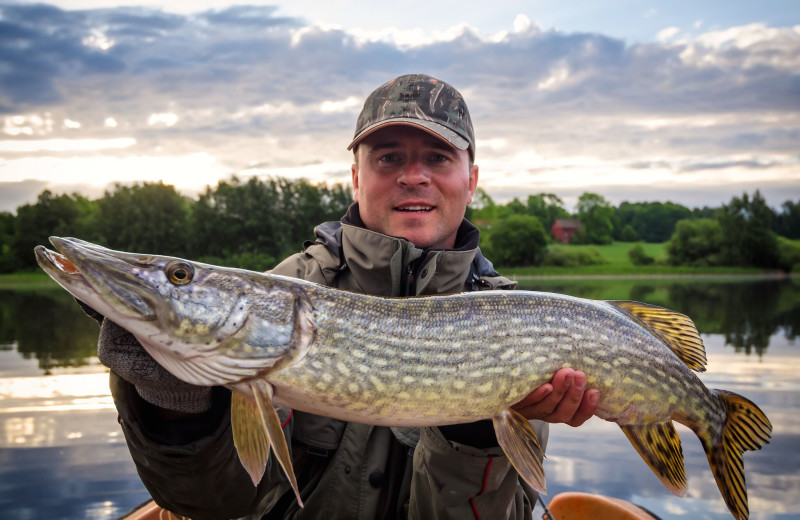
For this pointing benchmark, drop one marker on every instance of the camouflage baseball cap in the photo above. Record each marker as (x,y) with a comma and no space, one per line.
(421,101)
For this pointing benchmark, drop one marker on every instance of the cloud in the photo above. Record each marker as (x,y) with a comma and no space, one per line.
(246,86)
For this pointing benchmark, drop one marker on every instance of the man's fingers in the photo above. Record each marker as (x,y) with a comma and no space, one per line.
(587,408)
(564,400)
(571,398)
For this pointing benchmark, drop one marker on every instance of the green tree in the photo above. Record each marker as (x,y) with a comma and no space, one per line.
(597,215)
(60,215)
(8,261)
(652,221)
(637,256)
(145,218)
(517,240)
(695,242)
(747,236)
(547,207)
(787,221)
(482,208)
(514,207)
(628,234)
(255,223)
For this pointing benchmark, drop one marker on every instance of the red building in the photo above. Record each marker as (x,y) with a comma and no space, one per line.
(564,229)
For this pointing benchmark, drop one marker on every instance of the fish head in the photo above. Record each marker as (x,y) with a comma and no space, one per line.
(193,318)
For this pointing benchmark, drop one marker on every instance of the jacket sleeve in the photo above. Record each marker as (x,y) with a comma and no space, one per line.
(454,481)
(191,467)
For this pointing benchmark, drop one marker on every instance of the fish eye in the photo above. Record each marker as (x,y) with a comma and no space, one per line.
(179,273)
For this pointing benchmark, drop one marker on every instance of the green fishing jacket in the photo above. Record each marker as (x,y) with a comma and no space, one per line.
(344,470)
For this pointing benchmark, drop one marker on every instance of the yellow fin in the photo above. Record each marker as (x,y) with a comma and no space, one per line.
(746,428)
(272,425)
(249,437)
(520,443)
(676,330)
(660,447)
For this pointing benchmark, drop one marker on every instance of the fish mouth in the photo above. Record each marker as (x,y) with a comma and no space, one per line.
(103,279)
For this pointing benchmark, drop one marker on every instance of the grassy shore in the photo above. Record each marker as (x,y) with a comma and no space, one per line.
(31,280)
(618,264)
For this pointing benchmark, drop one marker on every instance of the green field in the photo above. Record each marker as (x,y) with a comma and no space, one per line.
(32,280)
(618,263)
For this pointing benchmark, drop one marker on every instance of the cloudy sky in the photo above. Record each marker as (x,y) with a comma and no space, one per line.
(637,100)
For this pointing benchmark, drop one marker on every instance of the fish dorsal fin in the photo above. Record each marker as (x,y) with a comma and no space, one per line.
(676,330)
(660,447)
(249,437)
(521,444)
(274,431)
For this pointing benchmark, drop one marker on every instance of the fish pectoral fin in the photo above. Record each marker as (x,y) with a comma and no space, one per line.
(676,330)
(521,444)
(274,431)
(249,436)
(660,447)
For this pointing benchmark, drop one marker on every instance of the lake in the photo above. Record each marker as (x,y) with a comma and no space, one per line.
(62,454)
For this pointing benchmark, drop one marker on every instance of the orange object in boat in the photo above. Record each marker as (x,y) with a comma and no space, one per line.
(572,505)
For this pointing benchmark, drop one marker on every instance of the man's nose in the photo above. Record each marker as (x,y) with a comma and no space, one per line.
(414,174)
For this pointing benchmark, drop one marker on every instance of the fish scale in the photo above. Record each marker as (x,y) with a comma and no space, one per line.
(411,367)
(424,361)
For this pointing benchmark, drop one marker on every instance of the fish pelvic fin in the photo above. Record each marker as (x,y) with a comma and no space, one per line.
(660,446)
(249,436)
(274,431)
(676,330)
(746,428)
(520,443)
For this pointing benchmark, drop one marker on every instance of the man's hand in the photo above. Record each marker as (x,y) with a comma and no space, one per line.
(120,351)
(563,400)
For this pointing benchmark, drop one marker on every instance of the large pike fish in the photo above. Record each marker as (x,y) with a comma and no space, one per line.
(415,361)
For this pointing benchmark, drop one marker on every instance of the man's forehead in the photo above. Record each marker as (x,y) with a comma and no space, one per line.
(393,136)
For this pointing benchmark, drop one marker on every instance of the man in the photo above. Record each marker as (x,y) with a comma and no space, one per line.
(405,235)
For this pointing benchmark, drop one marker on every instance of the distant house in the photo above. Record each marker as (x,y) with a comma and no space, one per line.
(563,229)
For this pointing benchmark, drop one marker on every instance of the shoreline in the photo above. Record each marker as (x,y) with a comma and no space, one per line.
(31,280)
(653,276)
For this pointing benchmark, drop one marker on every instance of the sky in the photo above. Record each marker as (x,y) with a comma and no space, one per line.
(689,102)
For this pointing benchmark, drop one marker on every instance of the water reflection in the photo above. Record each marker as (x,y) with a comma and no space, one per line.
(62,454)
(747,312)
(47,325)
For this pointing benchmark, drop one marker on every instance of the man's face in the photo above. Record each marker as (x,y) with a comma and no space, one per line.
(411,184)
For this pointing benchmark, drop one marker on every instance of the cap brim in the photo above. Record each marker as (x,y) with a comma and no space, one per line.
(433,128)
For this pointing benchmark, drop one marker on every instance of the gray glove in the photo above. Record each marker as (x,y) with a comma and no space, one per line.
(120,351)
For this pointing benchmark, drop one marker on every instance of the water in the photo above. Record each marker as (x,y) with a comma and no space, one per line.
(62,454)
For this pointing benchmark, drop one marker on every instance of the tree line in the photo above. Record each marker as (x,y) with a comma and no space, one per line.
(256,223)
(252,224)
(746,232)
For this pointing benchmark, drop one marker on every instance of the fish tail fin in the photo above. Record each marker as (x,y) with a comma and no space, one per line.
(660,447)
(519,441)
(745,428)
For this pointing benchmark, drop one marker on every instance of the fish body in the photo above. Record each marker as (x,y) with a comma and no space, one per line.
(416,361)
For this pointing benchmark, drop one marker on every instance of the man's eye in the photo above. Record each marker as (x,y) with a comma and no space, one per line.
(437,157)
(389,158)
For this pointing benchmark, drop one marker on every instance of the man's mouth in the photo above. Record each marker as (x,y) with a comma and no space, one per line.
(415,209)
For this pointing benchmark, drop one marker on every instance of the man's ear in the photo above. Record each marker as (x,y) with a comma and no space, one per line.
(354,173)
(473,181)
